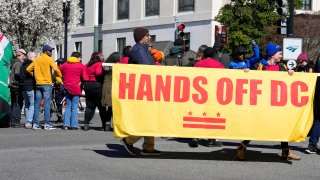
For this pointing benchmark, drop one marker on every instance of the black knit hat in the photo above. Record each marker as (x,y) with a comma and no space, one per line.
(139,33)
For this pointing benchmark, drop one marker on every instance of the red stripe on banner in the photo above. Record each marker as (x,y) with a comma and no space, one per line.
(207,120)
(203,126)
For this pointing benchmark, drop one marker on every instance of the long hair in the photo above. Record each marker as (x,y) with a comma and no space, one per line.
(95,57)
(199,55)
(114,57)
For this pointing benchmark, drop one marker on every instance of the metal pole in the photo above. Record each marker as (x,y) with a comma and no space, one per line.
(96,27)
(290,19)
(65,20)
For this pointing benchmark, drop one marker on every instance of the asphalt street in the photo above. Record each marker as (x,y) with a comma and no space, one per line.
(95,154)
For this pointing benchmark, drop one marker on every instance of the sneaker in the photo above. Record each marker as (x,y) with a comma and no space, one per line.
(49,127)
(151,153)
(28,126)
(36,127)
(193,144)
(127,146)
(310,150)
(65,128)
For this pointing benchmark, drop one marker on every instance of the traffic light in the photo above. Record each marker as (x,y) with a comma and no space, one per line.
(283,7)
(283,11)
(180,30)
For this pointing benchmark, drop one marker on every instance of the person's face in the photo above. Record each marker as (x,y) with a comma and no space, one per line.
(301,62)
(146,39)
(241,56)
(32,56)
(277,57)
(49,53)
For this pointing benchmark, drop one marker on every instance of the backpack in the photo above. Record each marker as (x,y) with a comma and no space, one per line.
(12,78)
(175,60)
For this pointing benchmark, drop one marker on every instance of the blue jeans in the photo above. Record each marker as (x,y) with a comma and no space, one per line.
(28,97)
(314,134)
(71,111)
(44,91)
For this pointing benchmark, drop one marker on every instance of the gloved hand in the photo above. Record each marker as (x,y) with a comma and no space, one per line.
(252,42)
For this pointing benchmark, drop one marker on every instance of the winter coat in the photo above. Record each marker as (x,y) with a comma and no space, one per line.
(41,69)
(247,63)
(93,73)
(27,82)
(209,63)
(106,98)
(176,57)
(71,73)
(124,60)
(15,73)
(139,54)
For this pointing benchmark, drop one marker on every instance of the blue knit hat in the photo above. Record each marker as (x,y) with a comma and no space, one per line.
(272,49)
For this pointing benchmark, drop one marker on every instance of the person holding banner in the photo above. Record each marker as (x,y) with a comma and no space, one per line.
(315,129)
(139,54)
(270,63)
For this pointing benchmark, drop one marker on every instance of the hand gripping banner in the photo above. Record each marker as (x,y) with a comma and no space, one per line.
(168,101)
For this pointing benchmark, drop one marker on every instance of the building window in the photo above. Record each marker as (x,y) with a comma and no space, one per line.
(153,38)
(121,43)
(123,9)
(100,12)
(307,5)
(81,5)
(59,51)
(100,45)
(152,7)
(78,47)
(186,5)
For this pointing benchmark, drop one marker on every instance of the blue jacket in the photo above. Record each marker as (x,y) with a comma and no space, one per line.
(247,63)
(139,54)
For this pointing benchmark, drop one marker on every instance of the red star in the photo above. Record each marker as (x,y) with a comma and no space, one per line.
(204,114)
(190,113)
(218,114)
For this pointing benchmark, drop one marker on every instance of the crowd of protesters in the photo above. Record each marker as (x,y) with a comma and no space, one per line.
(32,82)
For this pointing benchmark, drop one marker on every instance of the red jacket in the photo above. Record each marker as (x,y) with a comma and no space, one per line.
(93,73)
(124,60)
(71,72)
(209,63)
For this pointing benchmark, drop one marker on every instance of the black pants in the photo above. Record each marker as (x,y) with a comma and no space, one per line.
(16,106)
(59,95)
(93,100)
(284,145)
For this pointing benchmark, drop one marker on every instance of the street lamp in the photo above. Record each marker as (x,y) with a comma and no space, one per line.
(66,19)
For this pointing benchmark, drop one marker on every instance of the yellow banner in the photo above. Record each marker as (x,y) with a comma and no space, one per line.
(168,101)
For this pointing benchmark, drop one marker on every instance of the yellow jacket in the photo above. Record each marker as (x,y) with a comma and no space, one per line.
(41,69)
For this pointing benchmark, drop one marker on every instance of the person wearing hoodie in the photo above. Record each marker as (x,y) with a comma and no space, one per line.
(41,68)
(303,64)
(93,78)
(177,55)
(271,62)
(71,73)
(240,61)
(27,86)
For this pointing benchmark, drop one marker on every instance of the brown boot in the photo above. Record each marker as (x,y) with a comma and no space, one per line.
(241,153)
(288,155)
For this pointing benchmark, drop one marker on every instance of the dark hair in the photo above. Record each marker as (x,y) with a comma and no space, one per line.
(126,51)
(76,54)
(113,58)
(95,57)
(179,42)
(210,52)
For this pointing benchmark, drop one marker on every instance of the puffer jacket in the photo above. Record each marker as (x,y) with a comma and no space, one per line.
(248,62)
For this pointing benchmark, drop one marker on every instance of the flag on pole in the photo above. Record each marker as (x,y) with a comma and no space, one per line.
(6,56)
